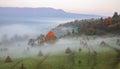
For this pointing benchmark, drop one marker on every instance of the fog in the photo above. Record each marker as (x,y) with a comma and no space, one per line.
(22,49)
(19,29)
(14,40)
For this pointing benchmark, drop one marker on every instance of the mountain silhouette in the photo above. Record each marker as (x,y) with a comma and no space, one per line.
(41,12)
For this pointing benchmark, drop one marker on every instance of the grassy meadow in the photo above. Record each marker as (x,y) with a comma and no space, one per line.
(91,57)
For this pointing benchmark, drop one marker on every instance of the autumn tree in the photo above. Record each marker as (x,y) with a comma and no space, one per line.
(91,30)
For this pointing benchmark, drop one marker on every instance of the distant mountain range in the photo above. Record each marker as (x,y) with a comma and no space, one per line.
(42,12)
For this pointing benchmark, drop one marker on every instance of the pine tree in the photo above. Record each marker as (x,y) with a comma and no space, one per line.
(115,18)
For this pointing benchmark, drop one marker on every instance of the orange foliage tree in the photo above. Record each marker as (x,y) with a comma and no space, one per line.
(50,37)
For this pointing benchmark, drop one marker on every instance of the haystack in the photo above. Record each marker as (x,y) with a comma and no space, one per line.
(8,59)
(40,53)
(68,51)
(85,44)
(103,44)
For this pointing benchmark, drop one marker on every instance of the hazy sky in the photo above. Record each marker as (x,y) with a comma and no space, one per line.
(100,7)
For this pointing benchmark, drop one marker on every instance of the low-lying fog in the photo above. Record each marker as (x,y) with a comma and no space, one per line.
(14,40)
(16,31)
(22,49)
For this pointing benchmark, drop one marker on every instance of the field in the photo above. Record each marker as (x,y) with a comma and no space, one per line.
(89,57)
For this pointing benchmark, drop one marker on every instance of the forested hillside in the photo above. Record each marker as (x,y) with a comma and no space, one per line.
(92,26)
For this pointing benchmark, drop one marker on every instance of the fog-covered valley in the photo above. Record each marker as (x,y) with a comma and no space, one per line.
(38,44)
(15,36)
(22,49)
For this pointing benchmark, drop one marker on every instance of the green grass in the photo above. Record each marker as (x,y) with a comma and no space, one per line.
(103,60)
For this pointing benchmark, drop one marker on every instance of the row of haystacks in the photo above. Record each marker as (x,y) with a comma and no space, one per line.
(50,37)
(8,59)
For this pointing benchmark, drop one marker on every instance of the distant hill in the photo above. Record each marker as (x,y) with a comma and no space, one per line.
(101,26)
(41,12)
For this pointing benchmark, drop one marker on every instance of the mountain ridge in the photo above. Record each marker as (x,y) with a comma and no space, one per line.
(43,12)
